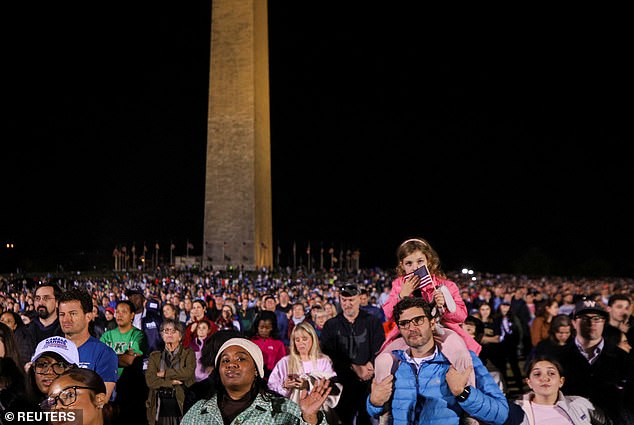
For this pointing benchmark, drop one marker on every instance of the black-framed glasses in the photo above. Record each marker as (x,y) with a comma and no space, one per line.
(592,319)
(66,397)
(169,330)
(416,321)
(42,367)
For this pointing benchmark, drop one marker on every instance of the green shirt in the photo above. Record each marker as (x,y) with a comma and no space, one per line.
(121,342)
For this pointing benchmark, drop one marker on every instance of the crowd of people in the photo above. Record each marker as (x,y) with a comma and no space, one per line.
(409,346)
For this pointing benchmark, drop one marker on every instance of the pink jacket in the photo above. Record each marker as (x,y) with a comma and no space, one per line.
(449,320)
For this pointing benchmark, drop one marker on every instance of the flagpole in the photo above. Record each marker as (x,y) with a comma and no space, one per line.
(321,255)
(144,255)
(331,251)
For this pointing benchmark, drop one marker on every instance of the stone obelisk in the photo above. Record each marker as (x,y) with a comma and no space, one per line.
(238,208)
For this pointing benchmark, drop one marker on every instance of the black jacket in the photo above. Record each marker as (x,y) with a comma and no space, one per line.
(608,382)
(346,343)
(27,337)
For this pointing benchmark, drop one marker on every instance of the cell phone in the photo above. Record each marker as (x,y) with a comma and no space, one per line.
(334,389)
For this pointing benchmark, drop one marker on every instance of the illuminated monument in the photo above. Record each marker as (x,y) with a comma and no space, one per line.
(238,208)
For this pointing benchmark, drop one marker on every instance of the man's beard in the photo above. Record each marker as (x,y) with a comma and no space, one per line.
(43,313)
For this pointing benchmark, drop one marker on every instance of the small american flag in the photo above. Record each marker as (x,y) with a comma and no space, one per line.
(425,277)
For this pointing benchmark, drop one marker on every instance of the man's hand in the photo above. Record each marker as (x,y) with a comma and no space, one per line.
(382,391)
(457,380)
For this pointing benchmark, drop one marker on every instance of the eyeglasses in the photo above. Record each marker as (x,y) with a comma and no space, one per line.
(66,397)
(416,321)
(592,319)
(169,331)
(42,368)
(45,298)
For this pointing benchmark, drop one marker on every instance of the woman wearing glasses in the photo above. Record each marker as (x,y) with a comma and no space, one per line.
(53,356)
(81,391)
(169,373)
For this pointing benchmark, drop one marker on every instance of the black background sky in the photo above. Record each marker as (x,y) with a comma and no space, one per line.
(505,142)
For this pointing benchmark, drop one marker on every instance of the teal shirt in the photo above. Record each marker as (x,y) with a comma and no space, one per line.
(120,343)
(261,412)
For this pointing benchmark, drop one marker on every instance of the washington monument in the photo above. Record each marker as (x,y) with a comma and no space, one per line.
(238,208)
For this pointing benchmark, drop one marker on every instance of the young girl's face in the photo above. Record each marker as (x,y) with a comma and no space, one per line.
(562,334)
(413,261)
(265,327)
(202,330)
(303,342)
(485,310)
(544,379)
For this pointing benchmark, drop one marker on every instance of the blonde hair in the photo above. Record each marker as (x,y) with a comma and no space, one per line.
(418,244)
(294,358)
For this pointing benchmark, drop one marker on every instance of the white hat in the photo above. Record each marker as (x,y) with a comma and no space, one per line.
(58,345)
(254,351)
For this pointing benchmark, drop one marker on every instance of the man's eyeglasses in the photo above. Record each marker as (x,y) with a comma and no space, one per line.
(66,397)
(45,298)
(42,368)
(416,321)
(169,331)
(592,319)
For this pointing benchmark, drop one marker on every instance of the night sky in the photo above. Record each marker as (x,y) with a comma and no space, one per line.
(506,143)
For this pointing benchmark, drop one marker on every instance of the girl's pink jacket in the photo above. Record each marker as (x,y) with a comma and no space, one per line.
(448,319)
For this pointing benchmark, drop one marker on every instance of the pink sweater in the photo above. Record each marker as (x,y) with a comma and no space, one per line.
(449,320)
